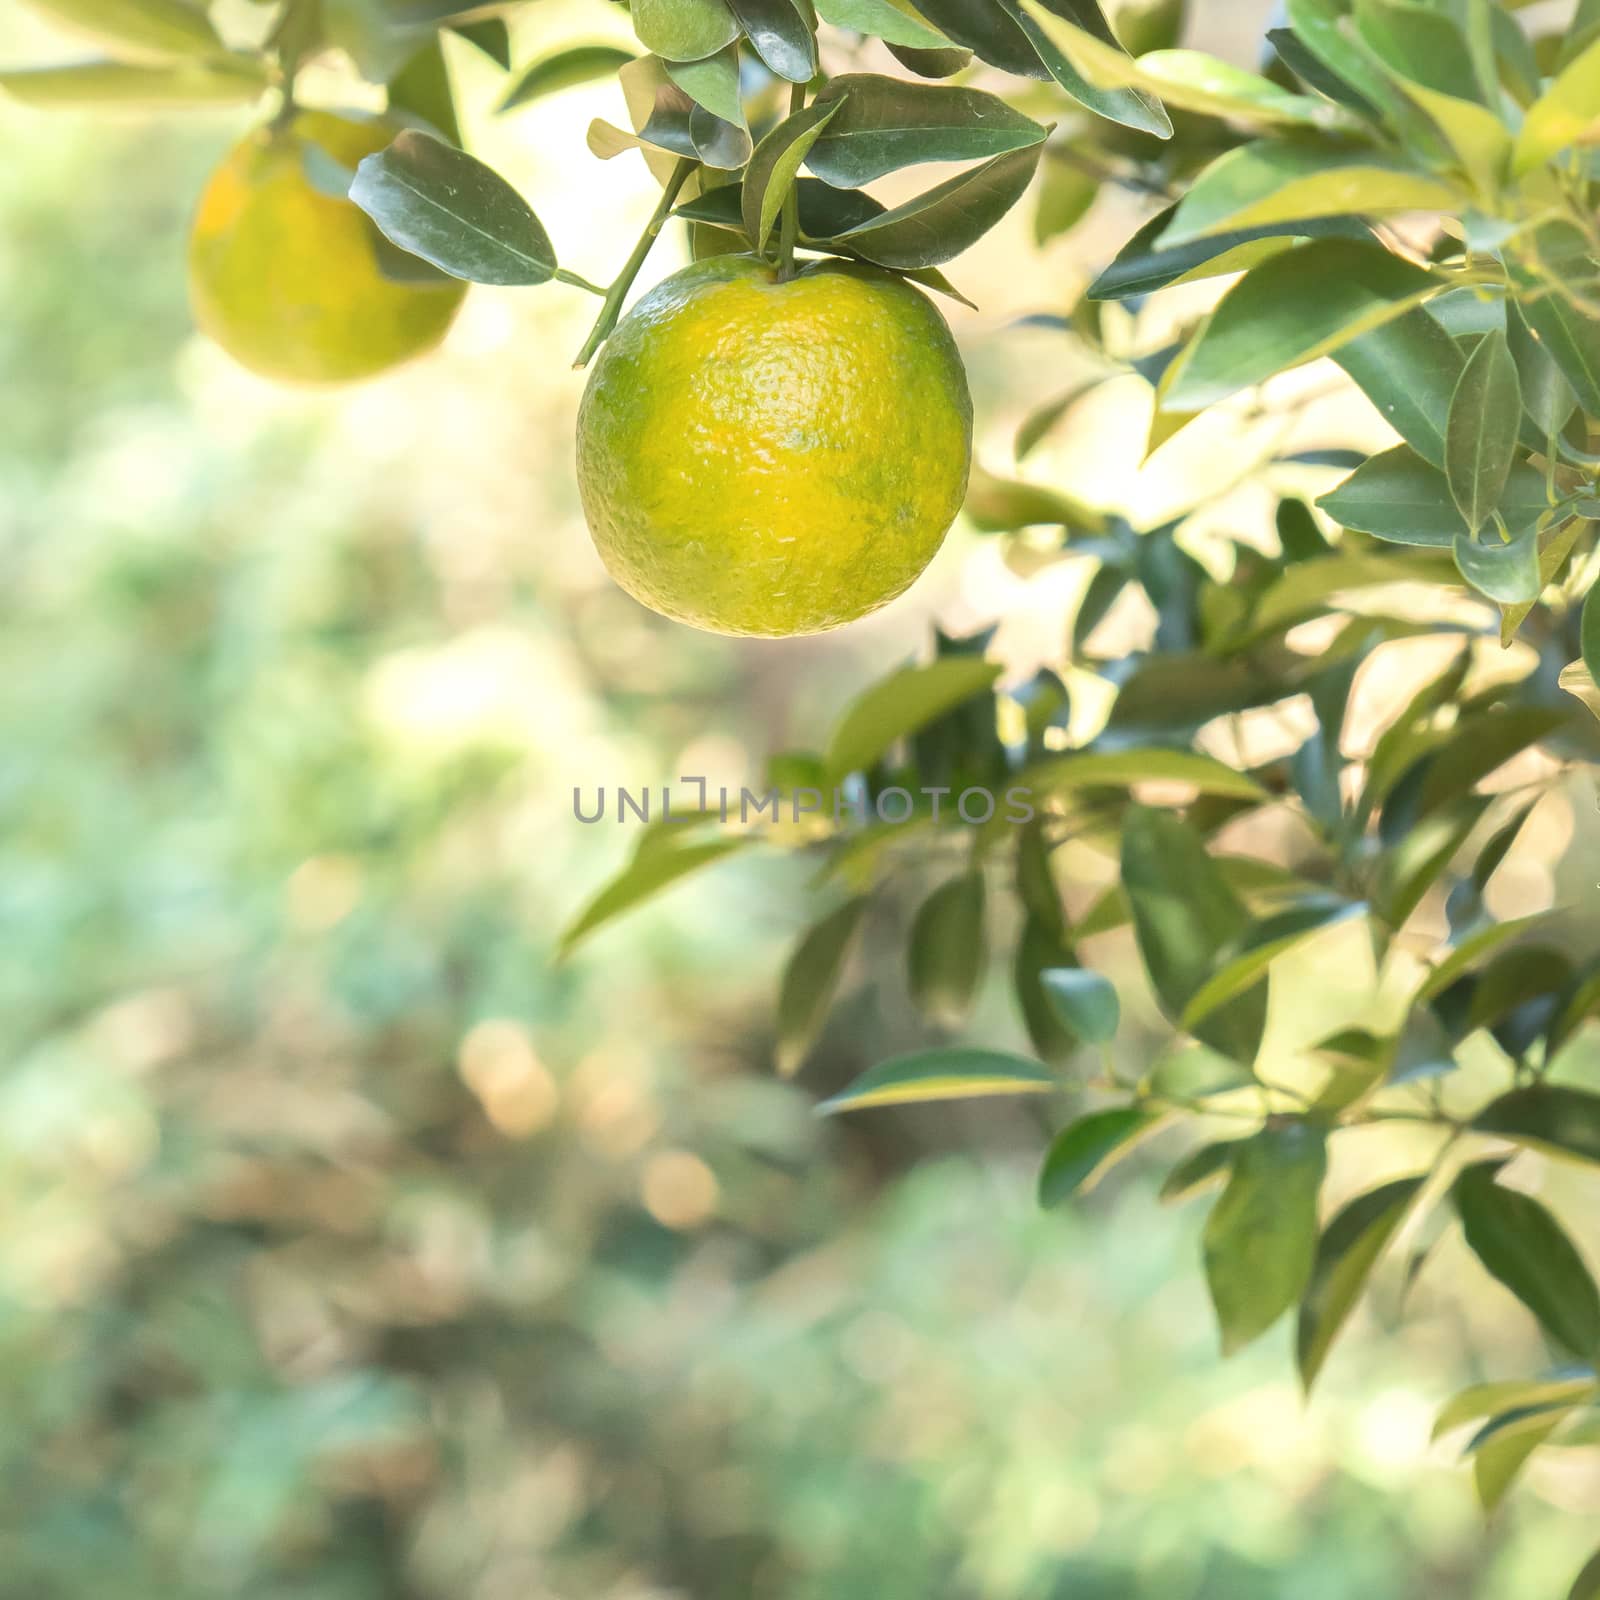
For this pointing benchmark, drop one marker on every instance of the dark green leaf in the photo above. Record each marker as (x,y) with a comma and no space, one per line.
(944,63)
(1524,1246)
(1481,434)
(1554,1118)
(453,211)
(1423,45)
(1037,24)
(1569,335)
(565,69)
(938,225)
(1183,914)
(1547,397)
(1198,1171)
(1261,1236)
(1346,1255)
(810,981)
(947,952)
(1292,308)
(1586,1586)
(1085,1001)
(420,91)
(1409,369)
(775,165)
(1042,948)
(1505,570)
(1399,497)
(953,1074)
(1144,265)
(780,35)
(887,123)
(490,37)
(1084,1149)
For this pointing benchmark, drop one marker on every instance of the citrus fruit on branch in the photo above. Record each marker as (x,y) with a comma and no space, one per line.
(771,456)
(287,278)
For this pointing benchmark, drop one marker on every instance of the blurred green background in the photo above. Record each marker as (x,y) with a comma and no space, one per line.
(349,1250)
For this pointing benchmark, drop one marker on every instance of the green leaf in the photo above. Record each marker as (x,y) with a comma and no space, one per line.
(1586,1586)
(783,38)
(1505,570)
(1260,946)
(1031,29)
(775,165)
(115,83)
(1085,1001)
(900,704)
(1570,336)
(714,85)
(887,123)
(421,92)
(1321,26)
(1408,368)
(139,30)
(684,30)
(889,20)
(1188,79)
(1041,948)
(1481,746)
(1183,914)
(811,980)
(654,867)
(1292,308)
(1085,1149)
(1564,115)
(1273,182)
(1349,1249)
(449,208)
(1520,1394)
(1066,192)
(1498,1460)
(1589,636)
(953,1074)
(1481,435)
(565,69)
(1547,397)
(1422,45)
(1198,1171)
(1003,505)
(1145,263)
(937,226)
(1553,1118)
(1475,949)
(490,37)
(1261,1236)
(1523,1245)
(947,952)
(823,209)
(1399,497)
(1118,769)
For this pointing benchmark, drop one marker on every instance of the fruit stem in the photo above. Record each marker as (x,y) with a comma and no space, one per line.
(292,39)
(618,292)
(789,227)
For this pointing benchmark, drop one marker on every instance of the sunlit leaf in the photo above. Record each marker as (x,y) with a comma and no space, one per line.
(1084,1149)
(952,1074)
(900,704)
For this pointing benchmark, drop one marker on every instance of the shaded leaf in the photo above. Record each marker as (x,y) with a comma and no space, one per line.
(1084,1149)
(775,165)
(139,30)
(947,951)
(1409,369)
(810,981)
(1085,1001)
(1198,1171)
(1523,1245)
(1349,1249)
(889,20)
(651,870)
(564,69)
(938,225)
(900,704)
(1260,1239)
(1481,434)
(1555,1118)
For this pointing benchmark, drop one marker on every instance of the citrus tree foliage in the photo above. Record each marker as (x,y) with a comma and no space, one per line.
(1405,186)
